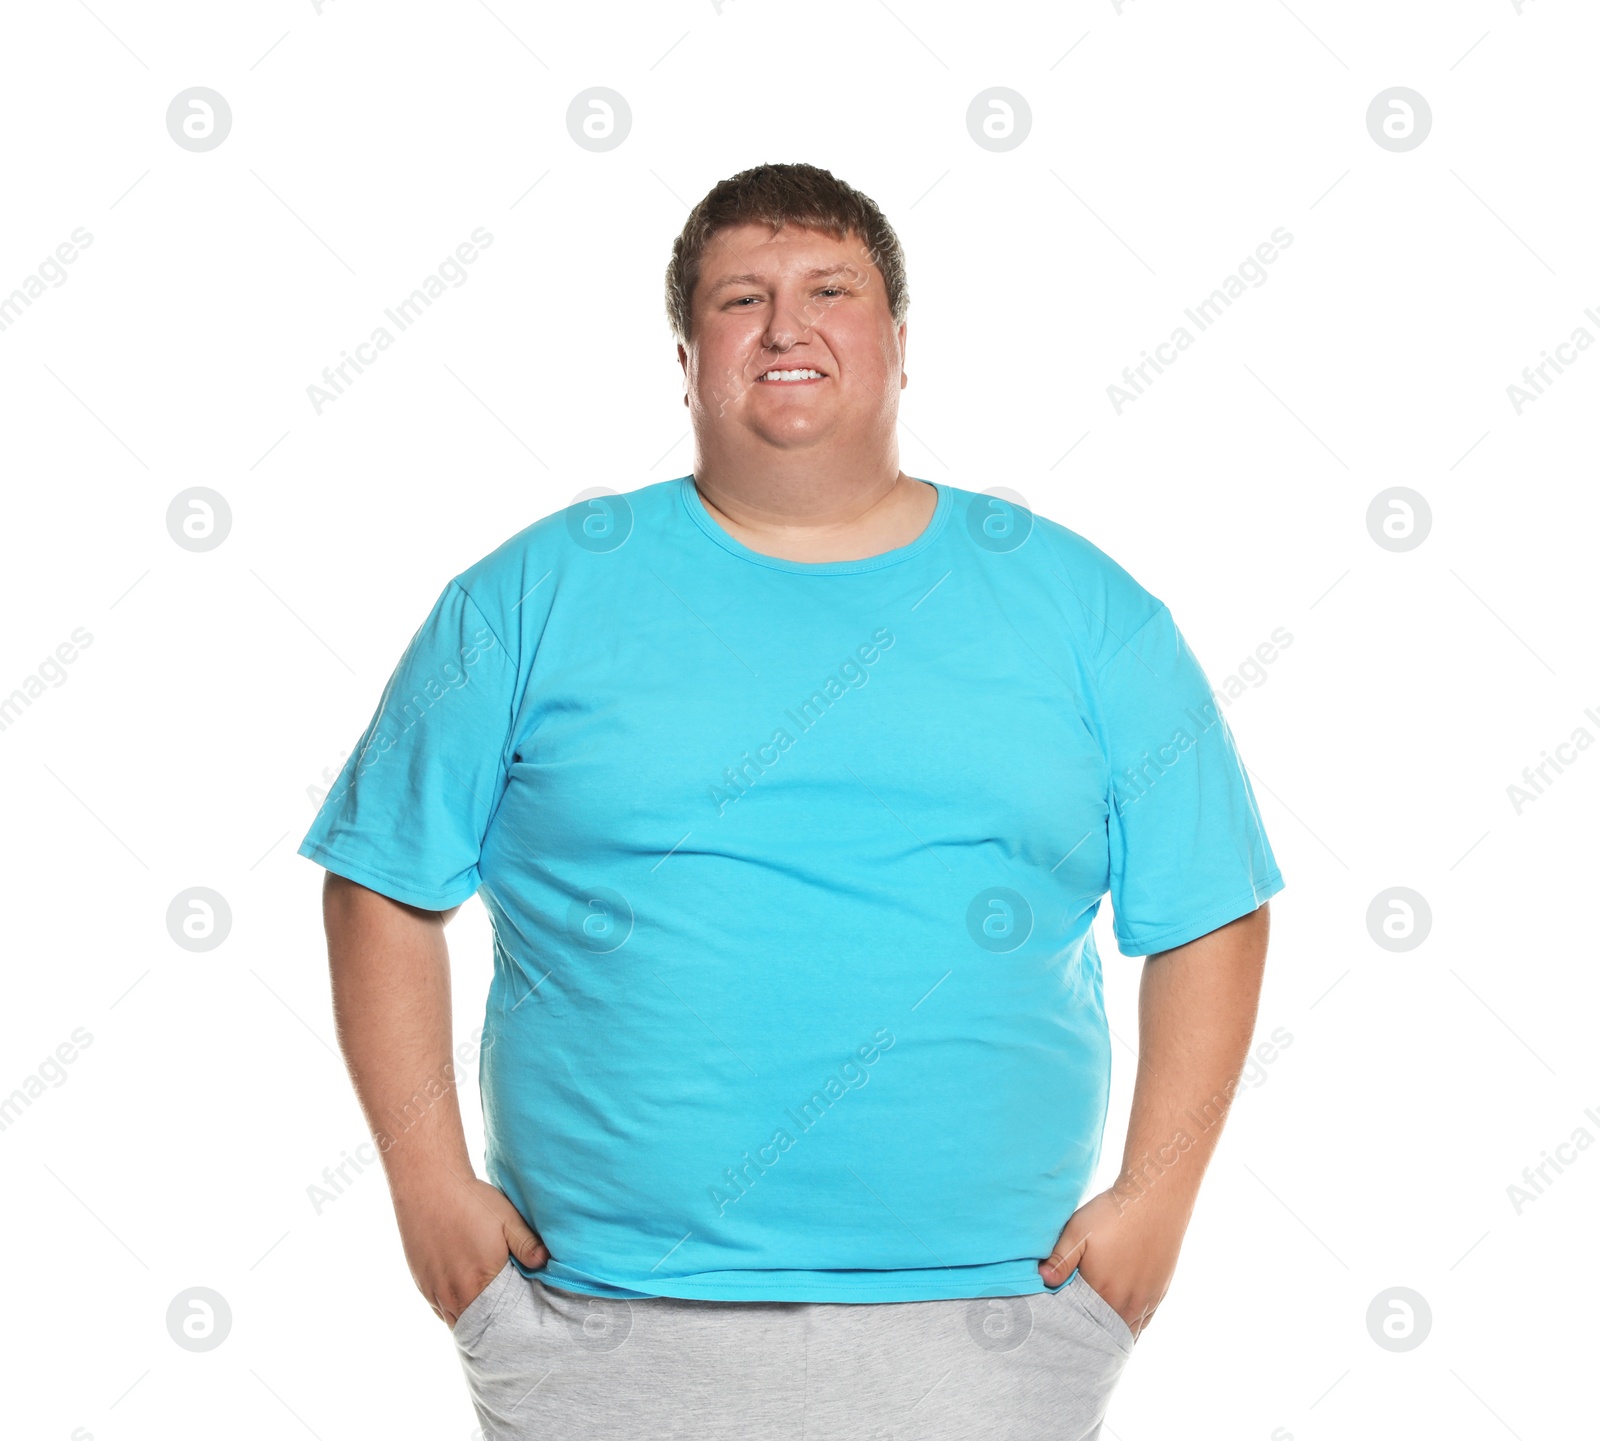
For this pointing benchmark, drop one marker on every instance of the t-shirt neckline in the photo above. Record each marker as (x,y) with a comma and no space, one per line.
(930,533)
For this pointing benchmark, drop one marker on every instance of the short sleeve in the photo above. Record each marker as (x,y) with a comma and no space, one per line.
(407,814)
(1188,850)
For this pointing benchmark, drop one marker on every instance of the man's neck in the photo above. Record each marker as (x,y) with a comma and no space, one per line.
(804,508)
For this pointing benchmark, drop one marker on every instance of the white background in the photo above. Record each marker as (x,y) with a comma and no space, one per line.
(368,142)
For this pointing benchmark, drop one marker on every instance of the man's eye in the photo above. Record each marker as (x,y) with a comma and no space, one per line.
(833,290)
(741,300)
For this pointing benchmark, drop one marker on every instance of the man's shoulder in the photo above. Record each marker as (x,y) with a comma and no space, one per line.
(1095,593)
(597,521)
(1015,527)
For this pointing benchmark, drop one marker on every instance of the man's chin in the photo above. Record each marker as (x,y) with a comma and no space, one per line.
(796,434)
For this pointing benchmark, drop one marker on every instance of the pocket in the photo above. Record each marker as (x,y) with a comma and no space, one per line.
(479,1313)
(1102,1310)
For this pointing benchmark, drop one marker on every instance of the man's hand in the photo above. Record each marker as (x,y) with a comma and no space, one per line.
(1126,1250)
(1197,1008)
(390,969)
(457,1238)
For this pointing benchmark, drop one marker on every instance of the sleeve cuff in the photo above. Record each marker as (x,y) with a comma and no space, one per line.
(1242,904)
(425,898)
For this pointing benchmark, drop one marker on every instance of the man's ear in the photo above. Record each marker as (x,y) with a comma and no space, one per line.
(902,335)
(683,363)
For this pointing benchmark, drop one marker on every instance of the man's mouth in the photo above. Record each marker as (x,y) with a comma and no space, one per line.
(786,376)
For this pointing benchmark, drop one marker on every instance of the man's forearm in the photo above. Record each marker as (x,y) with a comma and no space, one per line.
(390,969)
(1197,1012)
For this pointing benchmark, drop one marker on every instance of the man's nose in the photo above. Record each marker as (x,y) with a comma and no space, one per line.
(787,325)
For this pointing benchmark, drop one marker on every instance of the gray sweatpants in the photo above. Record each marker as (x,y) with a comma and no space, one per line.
(548,1365)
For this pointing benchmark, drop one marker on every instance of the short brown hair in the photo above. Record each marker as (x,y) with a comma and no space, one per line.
(804,196)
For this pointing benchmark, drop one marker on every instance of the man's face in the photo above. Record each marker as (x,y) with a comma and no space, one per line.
(791,341)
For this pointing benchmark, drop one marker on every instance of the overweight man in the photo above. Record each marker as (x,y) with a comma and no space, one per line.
(792,787)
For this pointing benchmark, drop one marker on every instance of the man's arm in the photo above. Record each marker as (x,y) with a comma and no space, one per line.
(390,968)
(1197,1012)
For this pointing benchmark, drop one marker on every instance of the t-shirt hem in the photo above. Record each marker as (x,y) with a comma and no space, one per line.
(396,889)
(1241,905)
(1011,1278)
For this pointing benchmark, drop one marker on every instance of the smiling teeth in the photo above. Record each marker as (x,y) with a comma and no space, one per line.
(792,375)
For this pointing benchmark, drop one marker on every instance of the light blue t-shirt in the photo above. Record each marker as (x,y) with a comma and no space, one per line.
(791,869)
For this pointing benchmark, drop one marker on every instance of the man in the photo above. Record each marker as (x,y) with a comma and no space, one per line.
(792,788)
